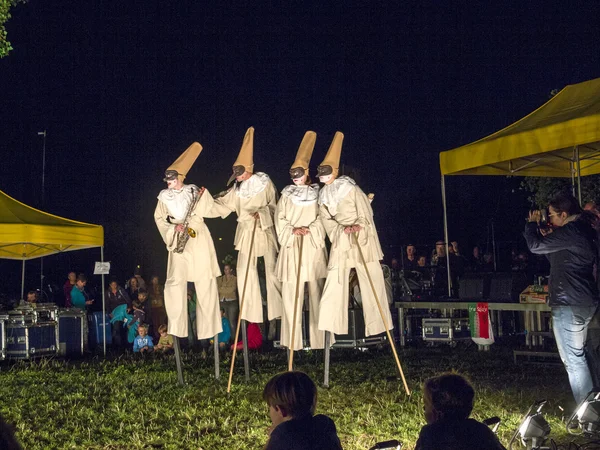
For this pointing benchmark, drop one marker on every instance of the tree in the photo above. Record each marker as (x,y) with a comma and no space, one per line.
(541,190)
(5,6)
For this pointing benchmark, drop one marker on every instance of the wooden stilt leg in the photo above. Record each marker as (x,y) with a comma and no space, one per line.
(327,351)
(245,350)
(178,360)
(216,350)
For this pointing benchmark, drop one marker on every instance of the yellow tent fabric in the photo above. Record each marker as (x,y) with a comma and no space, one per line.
(545,143)
(27,233)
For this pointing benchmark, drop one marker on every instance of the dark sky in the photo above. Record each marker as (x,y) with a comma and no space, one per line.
(122,87)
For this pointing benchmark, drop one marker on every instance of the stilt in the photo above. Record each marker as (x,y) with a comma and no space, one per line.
(245,351)
(178,360)
(327,349)
(216,350)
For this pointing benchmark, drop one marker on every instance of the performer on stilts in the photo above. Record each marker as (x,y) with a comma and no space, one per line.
(179,217)
(253,198)
(347,217)
(297,223)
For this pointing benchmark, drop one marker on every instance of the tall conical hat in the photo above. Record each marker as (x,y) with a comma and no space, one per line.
(332,158)
(245,157)
(305,150)
(183,164)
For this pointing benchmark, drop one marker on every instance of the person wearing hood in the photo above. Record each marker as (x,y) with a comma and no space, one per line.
(253,198)
(346,212)
(179,217)
(298,224)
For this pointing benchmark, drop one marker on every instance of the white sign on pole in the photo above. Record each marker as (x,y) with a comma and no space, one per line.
(102,268)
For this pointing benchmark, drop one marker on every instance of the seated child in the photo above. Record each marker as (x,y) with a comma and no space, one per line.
(165,343)
(448,400)
(225,335)
(143,343)
(292,400)
(254,338)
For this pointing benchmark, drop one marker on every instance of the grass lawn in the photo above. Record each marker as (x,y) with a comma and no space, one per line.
(132,403)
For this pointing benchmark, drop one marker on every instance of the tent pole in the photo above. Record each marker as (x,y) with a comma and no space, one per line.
(103,304)
(578,174)
(446,236)
(23,280)
(572,175)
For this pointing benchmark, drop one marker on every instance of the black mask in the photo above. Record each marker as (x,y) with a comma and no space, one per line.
(324,171)
(297,172)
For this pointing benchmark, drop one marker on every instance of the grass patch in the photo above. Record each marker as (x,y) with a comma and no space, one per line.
(127,402)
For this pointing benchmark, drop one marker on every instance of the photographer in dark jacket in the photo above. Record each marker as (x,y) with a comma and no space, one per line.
(571,249)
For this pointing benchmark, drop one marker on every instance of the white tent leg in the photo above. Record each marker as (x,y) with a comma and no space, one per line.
(446,236)
(23,281)
(103,304)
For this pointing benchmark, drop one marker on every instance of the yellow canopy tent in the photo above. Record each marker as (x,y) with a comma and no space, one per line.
(559,139)
(28,233)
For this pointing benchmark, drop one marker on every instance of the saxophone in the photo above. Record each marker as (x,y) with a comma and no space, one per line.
(188,232)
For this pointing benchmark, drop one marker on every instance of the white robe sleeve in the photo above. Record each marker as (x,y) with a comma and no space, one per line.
(267,212)
(283,226)
(166,229)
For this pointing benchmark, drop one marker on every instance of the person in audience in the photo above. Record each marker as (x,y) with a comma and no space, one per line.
(476,262)
(158,313)
(165,342)
(145,305)
(410,260)
(395,270)
(448,403)
(227,286)
(68,287)
(254,335)
(137,273)
(143,343)
(225,335)
(292,401)
(133,287)
(8,440)
(116,296)
(80,298)
(32,297)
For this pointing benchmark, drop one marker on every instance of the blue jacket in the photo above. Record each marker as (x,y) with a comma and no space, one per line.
(225,335)
(120,314)
(141,342)
(77,298)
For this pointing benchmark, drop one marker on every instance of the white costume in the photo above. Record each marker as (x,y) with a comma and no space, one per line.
(298,207)
(343,204)
(198,262)
(257,194)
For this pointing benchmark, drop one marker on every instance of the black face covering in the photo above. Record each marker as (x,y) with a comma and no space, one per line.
(297,172)
(170,175)
(324,171)
(237,171)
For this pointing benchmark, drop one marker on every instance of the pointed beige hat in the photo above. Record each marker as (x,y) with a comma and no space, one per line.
(184,163)
(305,150)
(246,155)
(332,158)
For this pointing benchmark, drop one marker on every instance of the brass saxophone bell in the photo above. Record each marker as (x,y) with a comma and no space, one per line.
(191,232)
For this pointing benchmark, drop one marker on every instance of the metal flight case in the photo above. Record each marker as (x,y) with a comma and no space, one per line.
(72,332)
(26,337)
(3,322)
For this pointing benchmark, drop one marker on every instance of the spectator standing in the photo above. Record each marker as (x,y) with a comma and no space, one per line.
(572,250)
(116,296)
(292,401)
(410,260)
(133,287)
(32,298)
(68,287)
(158,315)
(448,403)
(227,286)
(79,297)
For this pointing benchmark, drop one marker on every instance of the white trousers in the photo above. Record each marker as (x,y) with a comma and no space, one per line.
(317,337)
(333,314)
(252,310)
(208,312)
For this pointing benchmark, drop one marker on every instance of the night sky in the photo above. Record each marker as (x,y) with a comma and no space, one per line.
(123,87)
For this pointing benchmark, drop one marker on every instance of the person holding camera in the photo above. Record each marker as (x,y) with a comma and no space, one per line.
(569,242)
